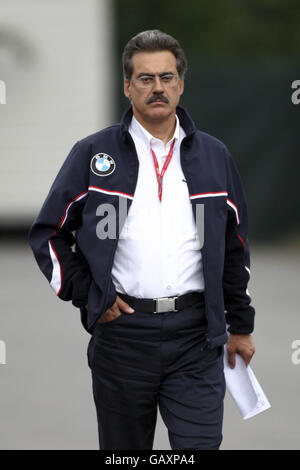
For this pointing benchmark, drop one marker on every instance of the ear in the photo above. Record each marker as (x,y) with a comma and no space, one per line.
(127,88)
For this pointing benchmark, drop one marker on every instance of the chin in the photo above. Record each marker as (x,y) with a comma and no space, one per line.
(159,112)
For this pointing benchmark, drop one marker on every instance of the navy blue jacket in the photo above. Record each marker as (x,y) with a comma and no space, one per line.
(78,264)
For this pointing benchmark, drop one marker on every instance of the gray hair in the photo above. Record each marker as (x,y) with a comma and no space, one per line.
(153,41)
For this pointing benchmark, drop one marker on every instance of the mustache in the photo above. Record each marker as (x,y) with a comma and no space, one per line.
(157,96)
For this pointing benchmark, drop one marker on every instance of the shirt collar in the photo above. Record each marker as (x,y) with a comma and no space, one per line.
(148,138)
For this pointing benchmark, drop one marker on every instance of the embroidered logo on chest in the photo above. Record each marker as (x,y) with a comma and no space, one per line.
(102,164)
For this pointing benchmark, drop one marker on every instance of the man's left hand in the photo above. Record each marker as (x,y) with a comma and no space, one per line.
(241,344)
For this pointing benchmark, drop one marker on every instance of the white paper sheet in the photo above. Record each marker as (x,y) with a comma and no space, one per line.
(244,388)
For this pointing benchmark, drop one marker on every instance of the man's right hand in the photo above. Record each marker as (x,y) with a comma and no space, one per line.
(116,310)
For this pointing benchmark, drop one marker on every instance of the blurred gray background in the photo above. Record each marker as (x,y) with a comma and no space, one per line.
(61,65)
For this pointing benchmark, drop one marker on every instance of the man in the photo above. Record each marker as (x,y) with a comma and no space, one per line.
(156,298)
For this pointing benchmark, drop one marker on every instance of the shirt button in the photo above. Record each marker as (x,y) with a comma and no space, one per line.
(169,287)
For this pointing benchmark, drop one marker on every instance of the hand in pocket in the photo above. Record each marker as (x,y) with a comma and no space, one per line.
(115,311)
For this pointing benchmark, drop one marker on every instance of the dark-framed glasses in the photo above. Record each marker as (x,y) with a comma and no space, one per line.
(147,81)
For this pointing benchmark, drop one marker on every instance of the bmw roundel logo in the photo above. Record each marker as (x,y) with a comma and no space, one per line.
(102,164)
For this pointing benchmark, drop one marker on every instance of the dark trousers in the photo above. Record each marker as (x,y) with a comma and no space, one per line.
(142,361)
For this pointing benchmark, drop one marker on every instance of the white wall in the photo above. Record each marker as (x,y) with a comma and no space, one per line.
(55,59)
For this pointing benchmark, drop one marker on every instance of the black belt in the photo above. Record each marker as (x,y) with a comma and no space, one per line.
(163,304)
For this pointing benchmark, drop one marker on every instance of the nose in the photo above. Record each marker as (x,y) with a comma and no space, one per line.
(157,87)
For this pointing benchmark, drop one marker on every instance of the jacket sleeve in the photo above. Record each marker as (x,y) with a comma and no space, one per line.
(51,237)
(239,312)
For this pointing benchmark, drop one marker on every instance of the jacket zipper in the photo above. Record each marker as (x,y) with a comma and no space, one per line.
(202,249)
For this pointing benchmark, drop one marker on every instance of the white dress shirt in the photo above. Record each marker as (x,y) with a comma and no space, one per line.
(158,253)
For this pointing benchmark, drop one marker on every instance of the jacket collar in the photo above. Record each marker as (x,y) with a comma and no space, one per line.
(185,121)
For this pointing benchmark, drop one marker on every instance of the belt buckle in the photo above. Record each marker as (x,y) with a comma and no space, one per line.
(165,304)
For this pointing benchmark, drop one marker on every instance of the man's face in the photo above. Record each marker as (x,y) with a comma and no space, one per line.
(157,102)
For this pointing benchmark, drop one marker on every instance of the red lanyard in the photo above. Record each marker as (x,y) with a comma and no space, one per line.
(160,176)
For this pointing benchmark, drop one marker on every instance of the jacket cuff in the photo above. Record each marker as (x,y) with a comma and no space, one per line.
(241,323)
(81,285)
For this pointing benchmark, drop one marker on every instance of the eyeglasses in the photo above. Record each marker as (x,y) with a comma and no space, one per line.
(147,81)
